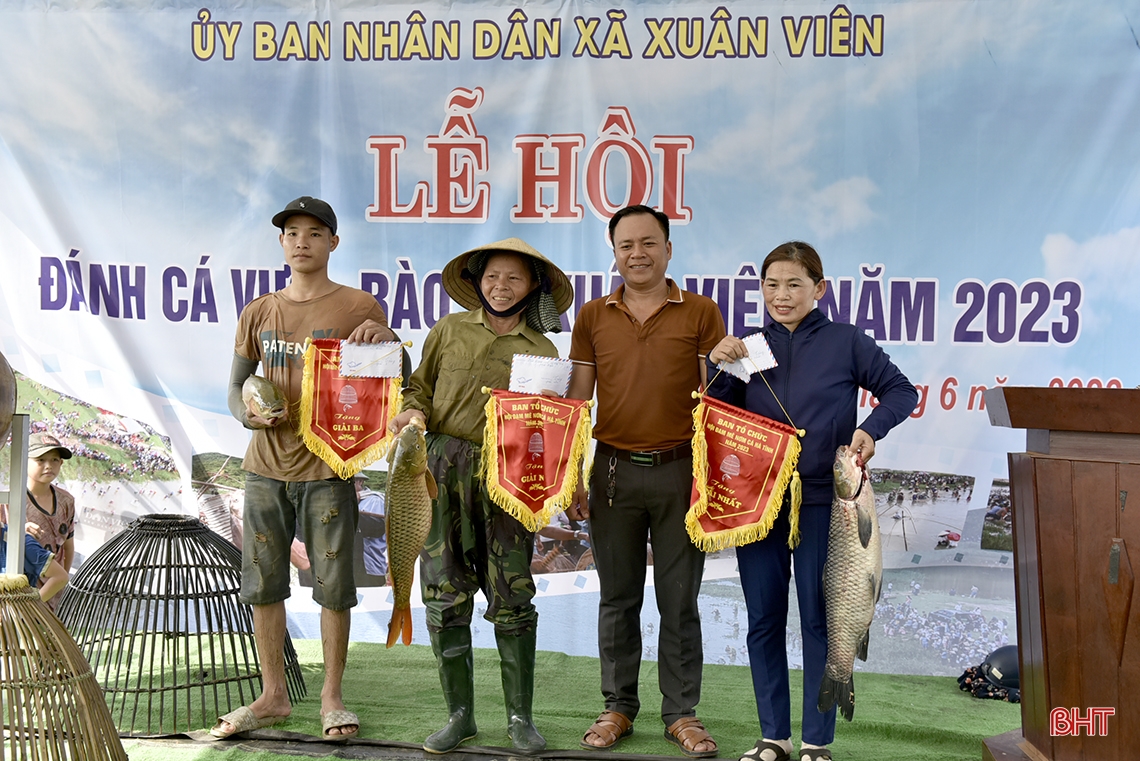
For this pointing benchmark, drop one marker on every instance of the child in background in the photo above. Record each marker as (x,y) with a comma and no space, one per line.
(50,510)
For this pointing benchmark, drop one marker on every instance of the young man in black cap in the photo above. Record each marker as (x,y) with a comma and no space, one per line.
(286,484)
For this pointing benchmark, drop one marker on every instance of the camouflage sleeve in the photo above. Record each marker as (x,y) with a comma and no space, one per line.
(241,369)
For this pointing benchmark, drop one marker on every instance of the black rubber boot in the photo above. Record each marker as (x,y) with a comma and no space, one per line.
(452,649)
(516,655)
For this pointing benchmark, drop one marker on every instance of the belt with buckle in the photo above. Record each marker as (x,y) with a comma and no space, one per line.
(646,459)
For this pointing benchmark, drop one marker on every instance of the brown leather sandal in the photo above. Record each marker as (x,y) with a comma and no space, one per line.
(687,733)
(611,727)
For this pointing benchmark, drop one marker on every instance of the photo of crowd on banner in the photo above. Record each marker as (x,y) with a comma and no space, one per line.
(919,511)
(563,546)
(118,468)
(961,636)
(997,534)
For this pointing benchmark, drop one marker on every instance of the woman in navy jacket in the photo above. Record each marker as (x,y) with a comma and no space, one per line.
(821,367)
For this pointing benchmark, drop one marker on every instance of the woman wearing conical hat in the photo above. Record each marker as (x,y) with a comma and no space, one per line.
(514,296)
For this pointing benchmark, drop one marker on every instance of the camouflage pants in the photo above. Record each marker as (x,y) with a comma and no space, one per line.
(473,545)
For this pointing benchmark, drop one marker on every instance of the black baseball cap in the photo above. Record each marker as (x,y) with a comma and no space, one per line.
(314,207)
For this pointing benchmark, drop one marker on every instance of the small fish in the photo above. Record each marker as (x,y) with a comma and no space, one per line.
(852,581)
(268,400)
(408,496)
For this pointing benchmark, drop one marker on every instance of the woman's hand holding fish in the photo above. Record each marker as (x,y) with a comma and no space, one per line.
(370,332)
(729,349)
(404,418)
(863,446)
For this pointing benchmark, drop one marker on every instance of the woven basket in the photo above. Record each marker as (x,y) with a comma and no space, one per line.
(51,705)
(156,612)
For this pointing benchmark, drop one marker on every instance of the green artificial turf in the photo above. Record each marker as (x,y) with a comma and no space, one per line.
(397,694)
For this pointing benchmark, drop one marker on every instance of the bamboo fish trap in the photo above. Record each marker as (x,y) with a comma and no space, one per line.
(52,708)
(156,612)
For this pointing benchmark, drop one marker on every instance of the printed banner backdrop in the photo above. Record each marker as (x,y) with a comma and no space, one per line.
(967,170)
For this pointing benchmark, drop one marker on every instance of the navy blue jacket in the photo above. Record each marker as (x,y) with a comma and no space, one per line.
(822,366)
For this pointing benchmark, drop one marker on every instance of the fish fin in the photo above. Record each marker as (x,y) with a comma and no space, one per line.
(861,648)
(866,526)
(833,693)
(877,586)
(401,624)
(432,487)
(407,633)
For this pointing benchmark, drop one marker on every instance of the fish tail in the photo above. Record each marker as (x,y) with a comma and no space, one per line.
(400,627)
(407,634)
(833,692)
(861,648)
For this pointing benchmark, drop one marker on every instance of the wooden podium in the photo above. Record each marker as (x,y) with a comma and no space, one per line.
(1076,548)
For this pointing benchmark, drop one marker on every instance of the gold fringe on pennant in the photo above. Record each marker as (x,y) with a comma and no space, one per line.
(700,475)
(719,540)
(796,493)
(344,468)
(796,498)
(488,465)
(512,505)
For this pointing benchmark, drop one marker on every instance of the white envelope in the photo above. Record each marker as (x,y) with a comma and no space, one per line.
(759,358)
(382,360)
(533,375)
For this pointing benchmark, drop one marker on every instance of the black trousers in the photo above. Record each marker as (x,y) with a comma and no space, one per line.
(649,506)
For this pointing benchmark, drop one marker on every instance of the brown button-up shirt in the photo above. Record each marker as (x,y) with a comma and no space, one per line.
(646,372)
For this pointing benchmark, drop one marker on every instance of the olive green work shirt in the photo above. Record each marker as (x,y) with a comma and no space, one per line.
(461,355)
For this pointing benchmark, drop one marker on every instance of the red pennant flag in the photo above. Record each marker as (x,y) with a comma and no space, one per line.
(344,420)
(532,453)
(742,464)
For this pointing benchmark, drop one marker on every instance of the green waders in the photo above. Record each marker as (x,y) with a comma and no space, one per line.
(452,647)
(516,655)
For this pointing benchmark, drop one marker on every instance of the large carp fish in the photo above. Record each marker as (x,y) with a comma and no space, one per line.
(852,581)
(266,400)
(408,496)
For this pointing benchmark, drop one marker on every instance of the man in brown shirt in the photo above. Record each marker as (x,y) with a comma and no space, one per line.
(287,485)
(644,348)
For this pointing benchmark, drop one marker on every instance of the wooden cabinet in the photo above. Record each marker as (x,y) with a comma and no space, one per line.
(1076,545)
